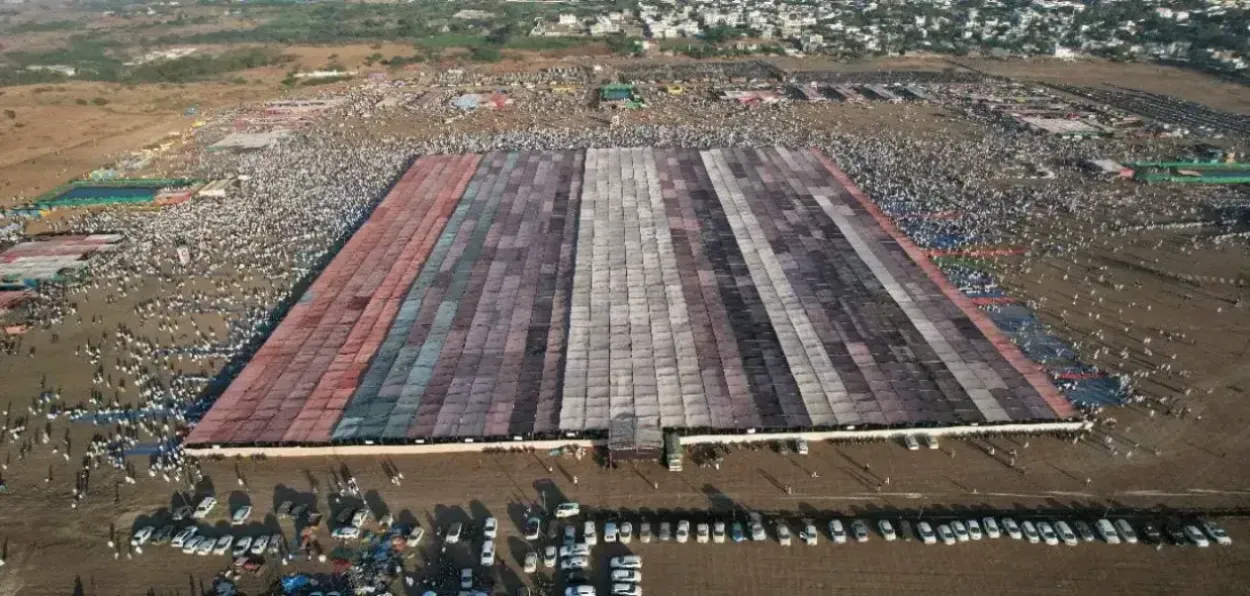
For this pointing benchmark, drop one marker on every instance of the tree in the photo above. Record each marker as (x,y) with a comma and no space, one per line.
(485,54)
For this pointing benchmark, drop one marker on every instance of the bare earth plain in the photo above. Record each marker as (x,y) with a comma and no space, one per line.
(1199,461)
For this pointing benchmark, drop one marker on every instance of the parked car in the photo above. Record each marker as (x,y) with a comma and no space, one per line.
(466,578)
(911,443)
(240,515)
(258,545)
(580,590)
(204,508)
(577,550)
(142,535)
(644,532)
(567,509)
(360,517)
(974,530)
(414,536)
(488,553)
(206,547)
(588,533)
(531,562)
(628,576)
(683,531)
(757,530)
(930,441)
(1107,530)
(626,562)
(666,531)
(1030,532)
(1012,529)
(991,528)
(837,532)
(1126,531)
(610,532)
(860,530)
(242,546)
(1150,534)
(191,544)
(163,535)
(1083,531)
(905,530)
(945,533)
(183,512)
(453,533)
(626,590)
(533,528)
(275,544)
(718,532)
(800,447)
(490,528)
(1218,534)
(702,534)
(549,556)
(1066,534)
(1175,534)
(570,535)
(809,535)
(887,530)
(574,563)
(627,533)
(223,544)
(1196,536)
(181,537)
(925,532)
(783,534)
(960,530)
(1048,533)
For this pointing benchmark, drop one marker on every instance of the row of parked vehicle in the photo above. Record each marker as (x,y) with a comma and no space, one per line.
(190,541)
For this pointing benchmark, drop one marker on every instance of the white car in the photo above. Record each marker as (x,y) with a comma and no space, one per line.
(531,562)
(259,544)
(626,590)
(1012,529)
(488,553)
(533,528)
(181,537)
(549,556)
(346,533)
(415,536)
(644,532)
(1066,534)
(960,530)
(579,590)
(887,530)
(626,562)
(1030,532)
(610,533)
(142,535)
(1218,534)
(204,508)
(240,515)
(1106,529)
(1196,536)
(683,531)
(666,531)
(911,443)
(800,447)
(577,550)
(991,527)
(947,536)
(627,576)
(925,531)
(570,535)
(453,533)
(757,531)
(1126,531)
(718,532)
(930,441)
(783,534)
(627,533)
(588,533)
(206,546)
(490,528)
(275,544)
(466,579)
(837,532)
(974,530)
(242,546)
(859,529)
(702,534)
(572,563)
(568,509)
(809,534)
(1048,533)
(223,545)
(191,544)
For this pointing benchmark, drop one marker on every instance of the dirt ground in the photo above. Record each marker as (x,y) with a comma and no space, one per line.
(1196,460)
